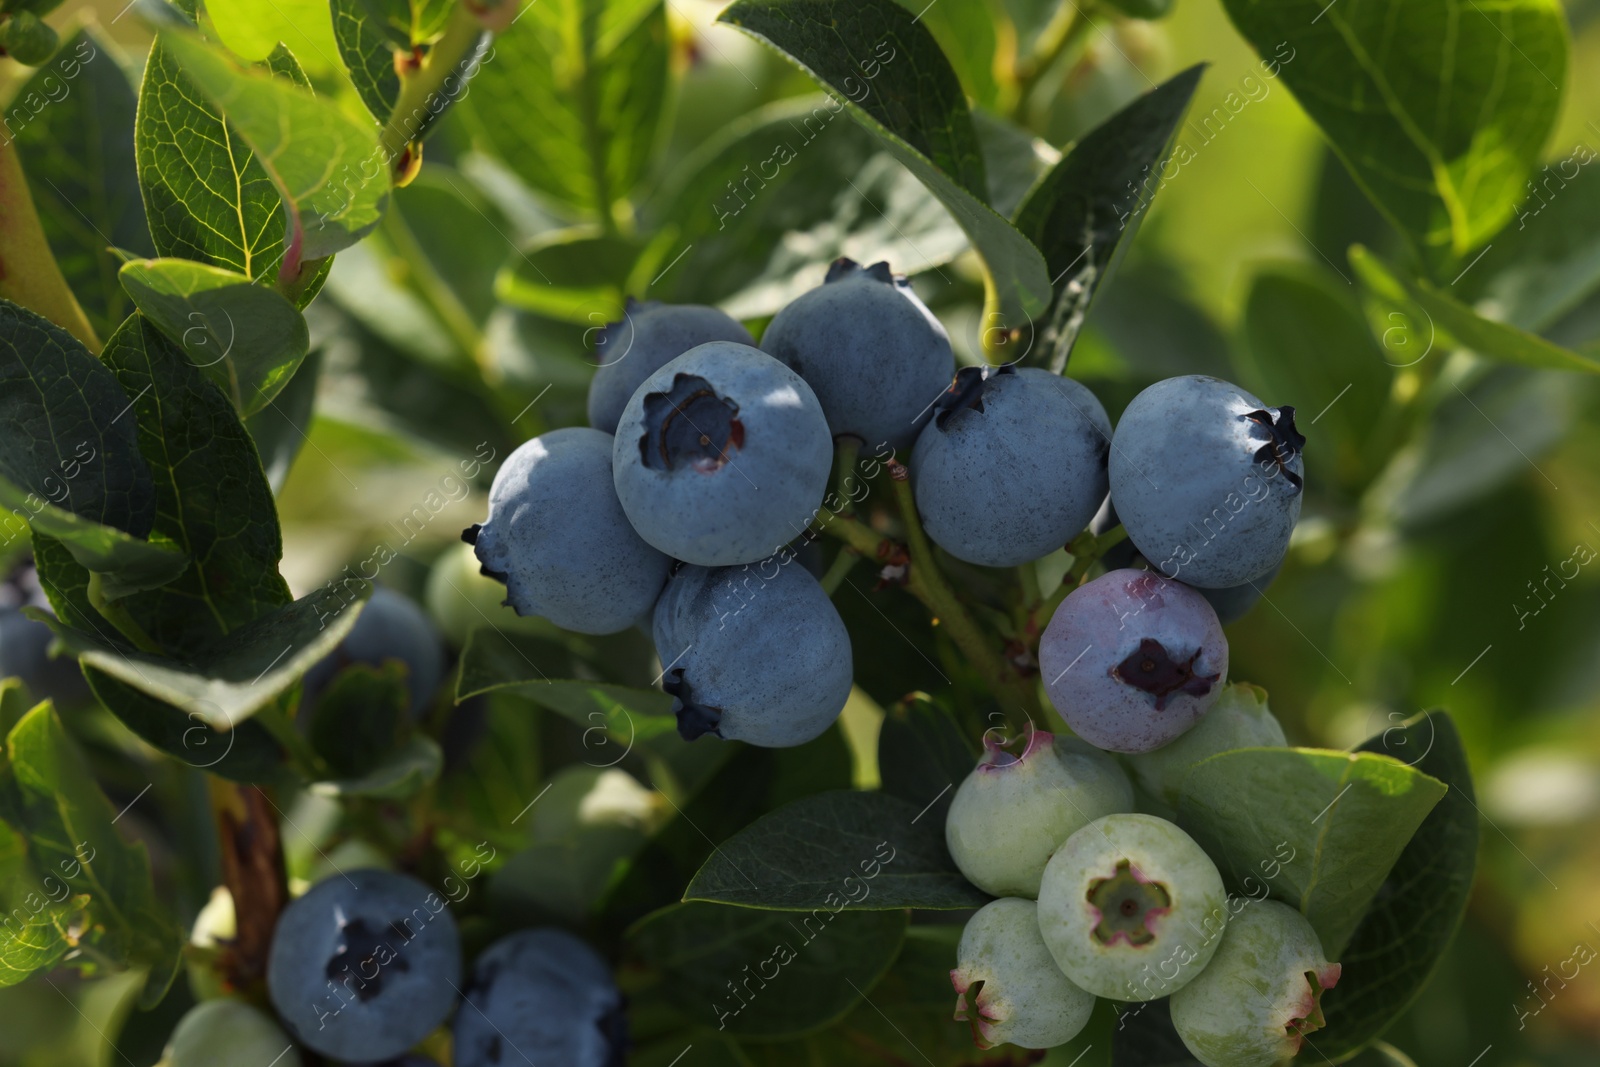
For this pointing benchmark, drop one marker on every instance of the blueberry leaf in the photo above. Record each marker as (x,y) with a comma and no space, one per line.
(1442,319)
(70,439)
(327,166)
(399,775)
(893,79)
(367,46)
(811,969)
(283,426)
(782,193)
(78,156)
(575,275)
(573,99)
(248,339)
(1090,203)
(863,851)
(211,496)
(1318,830)
(225,682)
(53,808)
(1442,139)
(1402,937)
(923,755)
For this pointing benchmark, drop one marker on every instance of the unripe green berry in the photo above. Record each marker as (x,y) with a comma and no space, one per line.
(1261,993)
(1008,987)
(1239,719)
(1012,811)
(228,1031)
(1131,908)
(28,40)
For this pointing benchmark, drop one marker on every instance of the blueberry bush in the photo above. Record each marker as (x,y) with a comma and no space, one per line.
(600,532)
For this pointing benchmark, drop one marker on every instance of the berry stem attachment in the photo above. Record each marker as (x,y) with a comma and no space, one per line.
(421,80)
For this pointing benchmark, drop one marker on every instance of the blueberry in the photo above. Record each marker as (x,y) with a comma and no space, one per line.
(1018,994)
(1239,719)
(541,996)
(1234,602)
(756,654)
(1012,466)
(557,537)
(1131,660)
(645,339)
(365,965)
(391,626)
(1131,908)
(722,456)
(872,350)
(1013,811)
(1260,995)
(228,1031)
(1207,480)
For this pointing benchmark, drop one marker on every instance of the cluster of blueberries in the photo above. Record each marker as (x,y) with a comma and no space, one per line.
(707,455)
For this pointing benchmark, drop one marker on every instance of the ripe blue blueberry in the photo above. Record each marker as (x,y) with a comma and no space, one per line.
(1131,908)
(1234,602)
(391,626)
(875,354)
(722,456)
(1207,480)
(1131,660)
(648,336)
(364,965)
(1012,466)
(228,1031)
(756,654)
(1018,995)
(1260,995)
(541,996)
(1013,811)
(557,536)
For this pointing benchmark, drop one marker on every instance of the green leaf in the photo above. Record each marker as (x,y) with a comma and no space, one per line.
(327,166)
(247,338)
(1403,936)
(1079,214)
(283,426)
(124,564)
(50,797)
(576,275)
(1343,818)
(400,775)
(922,754)
(246,753)
(864,851)
(1438,107)
(1014,158)
(966,35)
(226,682)
(78,156)
(1448,319)
(254,30)
(212,499)
(1543,267)
(368,45)
(459,238)
(66,439)
(761,210)
(355,722)
(898,84)
(207,195)
(793,973)
(1307,343)
(572,105)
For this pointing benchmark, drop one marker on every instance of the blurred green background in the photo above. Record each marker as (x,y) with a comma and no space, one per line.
(1446,556)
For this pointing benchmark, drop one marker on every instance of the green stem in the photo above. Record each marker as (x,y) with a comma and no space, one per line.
(1070,25)
(836,573)
(1086,550)
(287,734)
(29,273)
(432,287)
(593,131)
(117,615)
(413,111)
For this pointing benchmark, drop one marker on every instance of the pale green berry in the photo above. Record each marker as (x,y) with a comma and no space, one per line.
(1008,987)
(1260,995)
(1012,811)
(228,1031)
(1239,719)
(1131,908)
